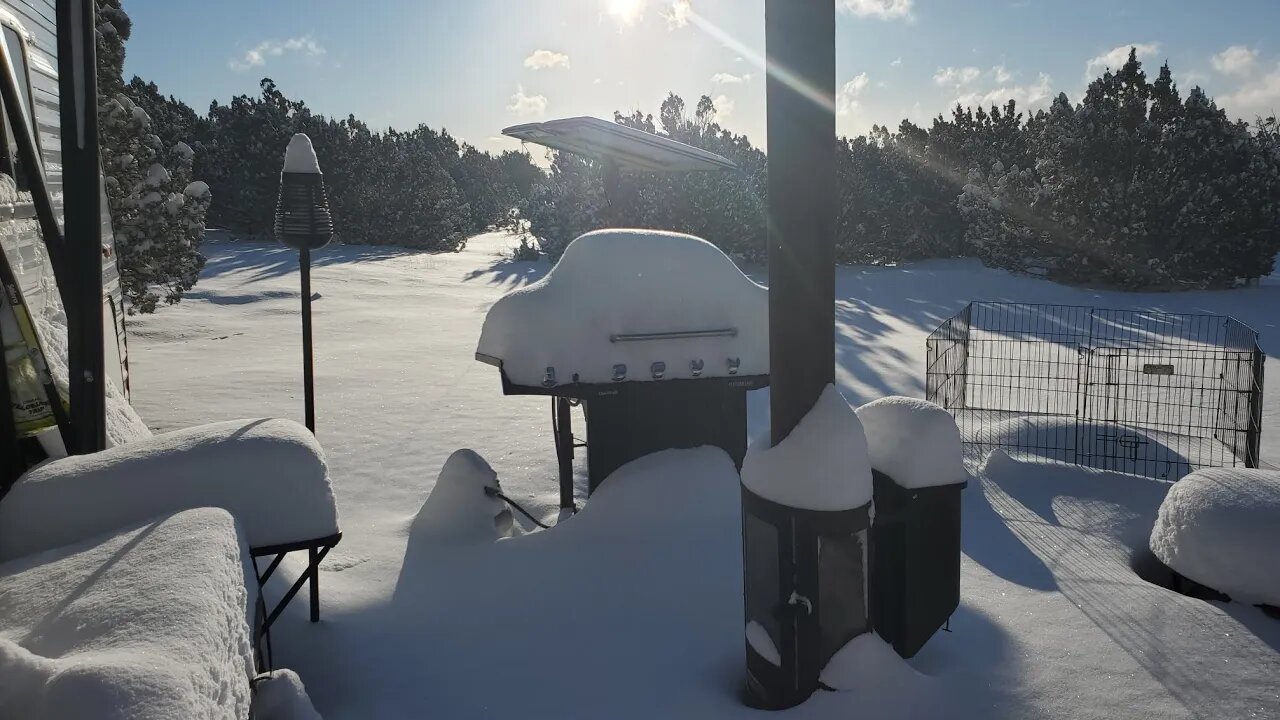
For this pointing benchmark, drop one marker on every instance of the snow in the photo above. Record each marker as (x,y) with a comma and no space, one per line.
(458,508)
(641,617)
(147,623)
(270,474)
(867,665)
(1221,528)
(822,465)
(157,175)
(197,188)
(760,641)
(913,441)
(300,157)
(280,695)
(625,282)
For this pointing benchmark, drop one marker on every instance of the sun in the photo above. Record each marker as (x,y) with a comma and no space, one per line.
(625,12)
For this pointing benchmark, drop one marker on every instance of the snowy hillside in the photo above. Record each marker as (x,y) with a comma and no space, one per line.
(638,614)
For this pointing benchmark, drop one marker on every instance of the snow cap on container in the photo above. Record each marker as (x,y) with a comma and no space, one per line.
(300,157)
(459,508)
(822,465)
(913,441)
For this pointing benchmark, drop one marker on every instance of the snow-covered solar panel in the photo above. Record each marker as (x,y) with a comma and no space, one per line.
(628,148)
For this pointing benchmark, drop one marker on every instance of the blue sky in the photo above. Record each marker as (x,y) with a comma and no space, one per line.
(476,66)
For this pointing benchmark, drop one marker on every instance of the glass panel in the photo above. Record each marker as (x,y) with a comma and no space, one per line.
(842,599)
(761,569)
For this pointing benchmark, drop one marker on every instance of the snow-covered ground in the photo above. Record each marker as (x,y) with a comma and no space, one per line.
(638,614)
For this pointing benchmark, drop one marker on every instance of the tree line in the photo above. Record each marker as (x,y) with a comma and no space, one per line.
(1134,187)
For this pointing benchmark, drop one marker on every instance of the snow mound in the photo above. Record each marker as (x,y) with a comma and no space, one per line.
(280,695)
(270,474)
(1101,445)
(1221,528)
(759,640)
(821,465)
(300,157)
(148,624)
(631,282)
(459,508)
(868,664)
(913,441)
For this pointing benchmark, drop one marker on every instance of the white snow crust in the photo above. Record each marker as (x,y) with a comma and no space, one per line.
(913,441)
(821,465)
(632,609)
(270,474)
(612,282)
(869,664)
(1221,528)
(458,508)
(150,623)
(280,695)
(760,641)
(300,157)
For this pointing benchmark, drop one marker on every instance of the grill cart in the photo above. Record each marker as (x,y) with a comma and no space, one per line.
(657,335)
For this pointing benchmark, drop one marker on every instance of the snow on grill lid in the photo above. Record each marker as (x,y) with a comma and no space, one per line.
(632,298)
(300,157)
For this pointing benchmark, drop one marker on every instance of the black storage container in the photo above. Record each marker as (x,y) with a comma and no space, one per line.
(915,561)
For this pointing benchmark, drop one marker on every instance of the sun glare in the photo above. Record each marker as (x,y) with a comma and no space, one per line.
(625,12)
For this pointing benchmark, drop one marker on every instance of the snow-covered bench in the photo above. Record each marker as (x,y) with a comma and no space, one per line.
(269,474)
(152,621)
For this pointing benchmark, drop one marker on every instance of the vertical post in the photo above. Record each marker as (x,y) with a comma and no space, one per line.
(1253,437)
(564,452)
(82,197)
(313,567)
(801,86)
(308,372)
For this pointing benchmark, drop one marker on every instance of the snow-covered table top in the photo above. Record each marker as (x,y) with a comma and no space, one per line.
(151,623)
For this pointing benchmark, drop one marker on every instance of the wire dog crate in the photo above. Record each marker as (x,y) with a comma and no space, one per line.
(1146,393)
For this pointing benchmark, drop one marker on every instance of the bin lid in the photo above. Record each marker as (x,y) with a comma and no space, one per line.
(630,149)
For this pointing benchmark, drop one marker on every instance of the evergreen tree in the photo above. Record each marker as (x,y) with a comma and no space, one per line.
(157,210)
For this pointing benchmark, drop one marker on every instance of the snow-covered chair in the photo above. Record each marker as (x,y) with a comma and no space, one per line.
(149,621)
(269,474)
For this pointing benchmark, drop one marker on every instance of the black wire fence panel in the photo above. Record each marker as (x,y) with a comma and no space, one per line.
(1147,393)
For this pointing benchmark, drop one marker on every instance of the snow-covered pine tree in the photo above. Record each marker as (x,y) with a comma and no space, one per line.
(157,209)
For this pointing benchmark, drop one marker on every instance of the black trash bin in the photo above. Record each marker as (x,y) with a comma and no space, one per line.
(915,561)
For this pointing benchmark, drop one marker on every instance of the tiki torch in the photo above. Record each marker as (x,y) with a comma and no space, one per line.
(303,223)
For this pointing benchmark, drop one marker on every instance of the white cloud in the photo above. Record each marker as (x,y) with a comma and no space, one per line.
(724,107)
(1116,57)
(847,97)
(1001,74)
(677,14)
(527,105)
(1029,96)
(544,59)
(1236,60)
(1258,96)
(956,76)
(729,78)
(257,55)
(897,62)
(879,9)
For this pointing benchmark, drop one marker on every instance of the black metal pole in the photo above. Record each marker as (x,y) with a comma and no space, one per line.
(308,372)
(82,198)
(801,86)
(564,452)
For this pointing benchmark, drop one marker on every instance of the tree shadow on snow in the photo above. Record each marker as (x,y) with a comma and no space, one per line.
(511,274)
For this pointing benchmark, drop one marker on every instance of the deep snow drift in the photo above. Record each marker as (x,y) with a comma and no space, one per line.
(639,615)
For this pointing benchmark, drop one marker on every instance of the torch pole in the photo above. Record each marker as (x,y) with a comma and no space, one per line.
(308,369)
